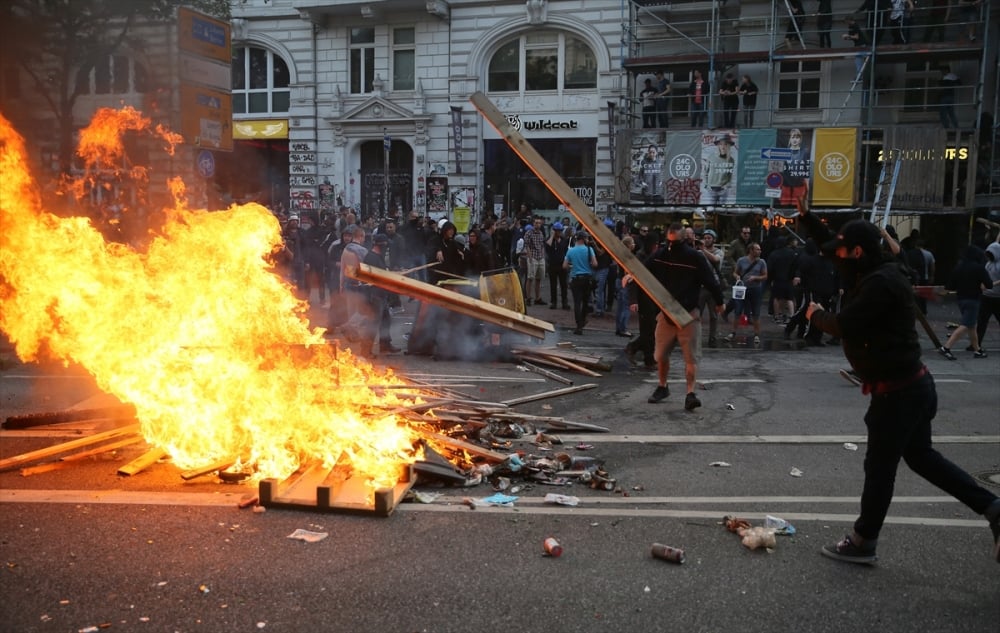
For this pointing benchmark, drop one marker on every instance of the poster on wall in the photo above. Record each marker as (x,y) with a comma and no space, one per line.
(754,167)
(719,160)
(437,196)
(834,158)
(644,158)
(684,153)
(793,163)
(755,176)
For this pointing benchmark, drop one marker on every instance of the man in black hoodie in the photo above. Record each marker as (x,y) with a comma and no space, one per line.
(683,271)
(877,327)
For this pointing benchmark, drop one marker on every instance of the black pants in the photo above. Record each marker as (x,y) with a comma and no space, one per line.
(580,287)
(988,307)
(557,277)
(899,427)
(646,341)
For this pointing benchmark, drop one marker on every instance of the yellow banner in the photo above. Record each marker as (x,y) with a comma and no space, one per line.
(834,166)
(267,129)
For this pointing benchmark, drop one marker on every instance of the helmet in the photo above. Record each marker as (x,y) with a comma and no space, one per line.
(441,223)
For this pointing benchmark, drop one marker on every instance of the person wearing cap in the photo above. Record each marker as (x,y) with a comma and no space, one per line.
(717,172)
(877,327)
(683,271)
(555,251)
(714,256)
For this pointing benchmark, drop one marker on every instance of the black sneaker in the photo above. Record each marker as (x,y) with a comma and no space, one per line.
(944,351)
(540,302)
(691,402)
(659,395)
(979,354)
(995,528)
(848,552)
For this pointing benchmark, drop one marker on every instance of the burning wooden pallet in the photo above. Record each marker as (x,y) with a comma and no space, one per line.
(315,487)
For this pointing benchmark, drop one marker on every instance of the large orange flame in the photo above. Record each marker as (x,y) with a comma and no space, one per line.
(196,331)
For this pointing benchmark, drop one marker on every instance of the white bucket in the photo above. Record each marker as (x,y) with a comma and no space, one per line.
(739,291)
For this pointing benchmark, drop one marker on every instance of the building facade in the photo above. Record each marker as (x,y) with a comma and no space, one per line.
(365,76)
(378,112)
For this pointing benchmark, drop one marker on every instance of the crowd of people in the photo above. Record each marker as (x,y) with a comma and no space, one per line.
(560,266)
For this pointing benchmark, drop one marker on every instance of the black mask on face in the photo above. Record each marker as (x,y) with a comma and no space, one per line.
(853,267)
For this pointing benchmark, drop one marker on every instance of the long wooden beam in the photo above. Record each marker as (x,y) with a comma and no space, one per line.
(581,211)
(42,453)
(450,300)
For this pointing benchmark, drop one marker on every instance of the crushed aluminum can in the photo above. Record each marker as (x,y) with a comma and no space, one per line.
(552,547)
(666,552)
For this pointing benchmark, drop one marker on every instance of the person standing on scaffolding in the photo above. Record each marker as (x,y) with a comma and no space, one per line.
(795,24)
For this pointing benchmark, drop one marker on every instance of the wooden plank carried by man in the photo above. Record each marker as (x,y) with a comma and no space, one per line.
(608,240)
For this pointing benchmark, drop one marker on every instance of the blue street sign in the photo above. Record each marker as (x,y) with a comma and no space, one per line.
(776,153)
(387,142)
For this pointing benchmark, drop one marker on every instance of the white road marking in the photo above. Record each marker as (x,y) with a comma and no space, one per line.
(525,505)
(601,438)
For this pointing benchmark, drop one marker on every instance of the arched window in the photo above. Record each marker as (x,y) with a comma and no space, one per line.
(113,75)
(260,82)
(542,60)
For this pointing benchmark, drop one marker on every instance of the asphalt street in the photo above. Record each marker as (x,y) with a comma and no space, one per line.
(83,547)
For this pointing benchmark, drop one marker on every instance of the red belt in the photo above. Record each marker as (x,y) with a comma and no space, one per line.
(888,386)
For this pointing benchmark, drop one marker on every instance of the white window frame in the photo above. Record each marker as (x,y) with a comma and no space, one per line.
(799,76)
(111,62)
(270,90)
(927,81)
(401,48)
(557,39)
(364,49)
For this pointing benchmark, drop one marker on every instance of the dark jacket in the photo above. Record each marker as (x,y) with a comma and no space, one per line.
(970,275)
(877,318)
(877,325)
(683,271)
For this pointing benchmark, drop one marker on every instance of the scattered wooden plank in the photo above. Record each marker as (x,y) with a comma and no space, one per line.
(479,451)
(121,412)
(31,456)
(568,364)
(222,464)
(587,360)
(142,462)
(450,300)
(545,372)
(578,426)
(549,394)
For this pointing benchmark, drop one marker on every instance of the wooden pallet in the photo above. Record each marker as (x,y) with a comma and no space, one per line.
(324,489)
